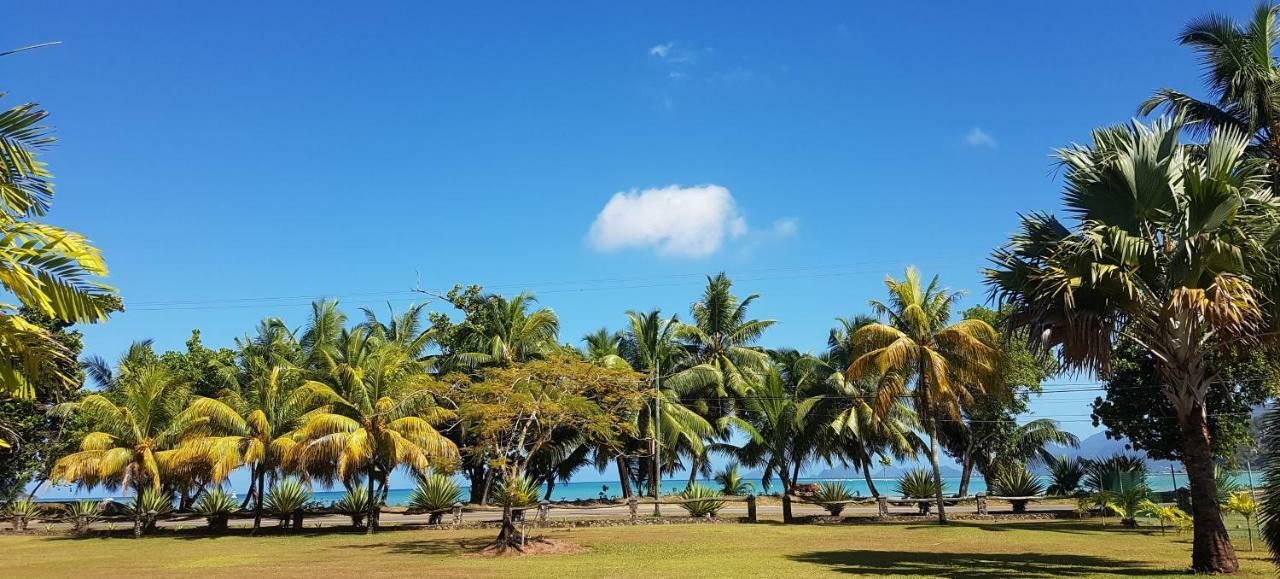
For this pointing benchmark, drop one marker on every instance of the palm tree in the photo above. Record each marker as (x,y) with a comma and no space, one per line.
(46,268)
(604,348)
(1243,79)
(505,331)
(1179,260)
(383,417)
(916,355)
(405,329)
(721,335)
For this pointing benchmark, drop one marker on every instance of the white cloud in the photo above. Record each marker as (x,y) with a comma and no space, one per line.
(674,53)
(786,227)
(980,138)
(676,221)
(662,50)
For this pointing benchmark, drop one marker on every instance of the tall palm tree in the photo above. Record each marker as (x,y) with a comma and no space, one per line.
(1180,260)
(916,355)
(383,416)
(506,332)
(1243,78)
(604,348)
(46,268)
(721,335)
(405,329)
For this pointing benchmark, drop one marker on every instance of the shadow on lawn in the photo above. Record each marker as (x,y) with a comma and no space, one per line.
(972,566)
(425,546)
(1073,527)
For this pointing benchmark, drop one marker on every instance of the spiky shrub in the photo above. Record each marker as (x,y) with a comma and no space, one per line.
(216,507)
(1065,475)
(1227,483)
(81,514)
(732,483)
(1167,515)
(435,493)
(354,504)
(1115,473)
(20,512)
(1124,504)
(286,500)
(1017,482)
(1243,504)
(830,494)
(708,503)
(519,493)
(147,508)
(919,484)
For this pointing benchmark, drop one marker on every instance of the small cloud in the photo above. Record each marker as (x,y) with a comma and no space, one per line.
(674,220)
(677,75)
(673,53)
(786,227)
(979,138)
(662,50)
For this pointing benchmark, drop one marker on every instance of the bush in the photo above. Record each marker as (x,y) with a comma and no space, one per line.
(216,507)
(354,504)
(21,511)
(286,500)
(1115,473)
(149,507)
(709,506)
(919,484)
(81,514)
(1167,515)
(435,493)
(731,483)
(519,493)
(829,495)
(1066,474)
(1125,504)
(1017,482)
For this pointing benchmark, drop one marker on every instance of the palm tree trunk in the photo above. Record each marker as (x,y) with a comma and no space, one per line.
(624,477)
(966,471)
(784,473)
(866,473)
(937,469)
(488,484)
(371,521)
(551,485)
(253,484)
(257,499)
(137,512)
(693,471)
(1211,550)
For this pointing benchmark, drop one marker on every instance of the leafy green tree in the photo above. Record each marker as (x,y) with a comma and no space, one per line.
(1179,260)
(721,338)
(917,355)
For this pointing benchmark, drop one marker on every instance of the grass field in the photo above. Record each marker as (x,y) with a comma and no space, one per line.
(963,550)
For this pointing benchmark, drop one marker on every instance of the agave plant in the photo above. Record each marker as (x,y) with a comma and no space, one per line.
(21,511)
(1066,475)
(147,508)
(435,493)
(81,514)
(1017,482)
(519,493)
(920,484)
(732,483)
(1164,513)
(217,507)
(708,503)
(354,504)
(286,500)
(830,496)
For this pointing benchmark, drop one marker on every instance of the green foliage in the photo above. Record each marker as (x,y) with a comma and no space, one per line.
(1124,503)
(1248,377)
(919,483)
(216,503)
(519,492)
(153,503)
(829,495)
(1066,475)
(1114,473)
(286,497)
(81,514)
(21,511)
(731,483)
(1164,513)
(1227,484)
(1016,482)
(706,506)
(435,492)
(354,504)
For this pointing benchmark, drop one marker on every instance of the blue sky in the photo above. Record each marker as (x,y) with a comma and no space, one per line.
(290,150)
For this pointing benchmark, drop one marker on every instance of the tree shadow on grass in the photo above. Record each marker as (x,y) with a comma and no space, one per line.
(1072,527)
(443,546)
(974,565)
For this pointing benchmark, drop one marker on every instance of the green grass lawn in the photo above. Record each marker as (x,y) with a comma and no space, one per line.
(963,549)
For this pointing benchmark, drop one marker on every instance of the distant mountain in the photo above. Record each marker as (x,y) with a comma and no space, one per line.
(1099,446)
(895,471)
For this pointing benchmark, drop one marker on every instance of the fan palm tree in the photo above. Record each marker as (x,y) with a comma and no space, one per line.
(1179,260)
(916,355)
(1243,79)
(383,416)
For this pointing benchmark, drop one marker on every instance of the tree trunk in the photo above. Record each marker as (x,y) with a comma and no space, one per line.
(966,471)
(784,473)
(371,521)
(624,477)
(871,485)
(253,484)
(477,477)
(1211,550)
(551,485)
(508,536)
(257,500)
(488,484)
(937,469)
(693,471)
